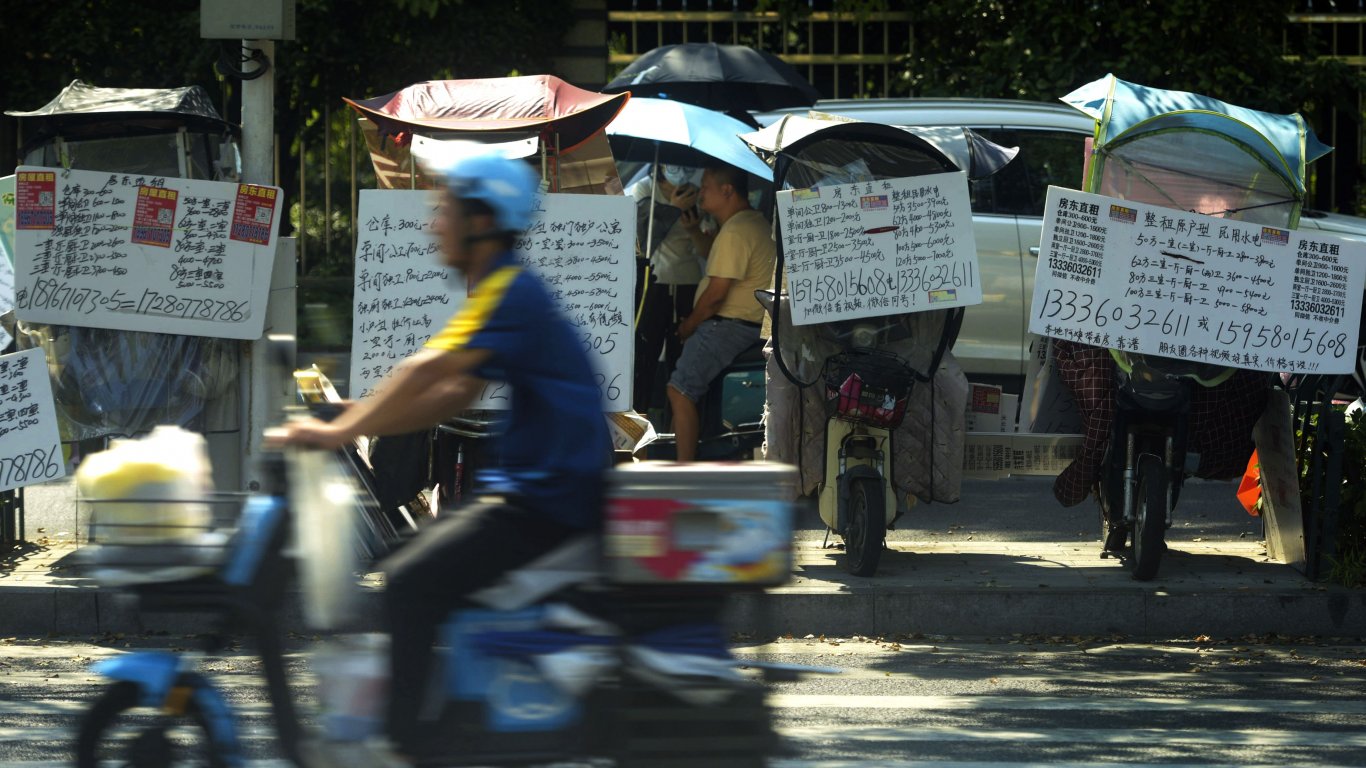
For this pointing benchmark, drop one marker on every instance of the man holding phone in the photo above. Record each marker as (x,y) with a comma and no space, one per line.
(725,317)
(676,267)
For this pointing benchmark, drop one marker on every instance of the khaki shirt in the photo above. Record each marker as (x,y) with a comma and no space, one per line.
(744,251)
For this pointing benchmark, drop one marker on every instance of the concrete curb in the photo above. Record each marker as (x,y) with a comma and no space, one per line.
(1221,589)
(1002,612)
(1138,613)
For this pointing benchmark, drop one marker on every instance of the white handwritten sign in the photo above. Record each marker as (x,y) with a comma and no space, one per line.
(879,248)
(582,246)
(6,290)
(144,253)
(30,451)
(1129,276)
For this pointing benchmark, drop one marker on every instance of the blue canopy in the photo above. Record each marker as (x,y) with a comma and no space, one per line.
(681,134)
(1123,111)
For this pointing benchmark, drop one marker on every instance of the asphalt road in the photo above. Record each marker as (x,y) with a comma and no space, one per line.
(910,702)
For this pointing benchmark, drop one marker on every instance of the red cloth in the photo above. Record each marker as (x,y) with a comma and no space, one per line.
(1220,429)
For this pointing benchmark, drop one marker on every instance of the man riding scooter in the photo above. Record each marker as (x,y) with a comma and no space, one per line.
(555,448)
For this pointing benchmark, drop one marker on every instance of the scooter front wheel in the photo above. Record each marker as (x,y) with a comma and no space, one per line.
(1150,519)
(109,731)
(867,526)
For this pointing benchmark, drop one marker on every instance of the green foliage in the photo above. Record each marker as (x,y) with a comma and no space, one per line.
(1348,564)
(147,44)
(1042,49)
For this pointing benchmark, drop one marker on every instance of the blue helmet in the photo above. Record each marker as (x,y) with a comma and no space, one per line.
(506,185)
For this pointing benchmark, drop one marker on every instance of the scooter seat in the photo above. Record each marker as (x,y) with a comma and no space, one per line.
(753,355)
(576,561)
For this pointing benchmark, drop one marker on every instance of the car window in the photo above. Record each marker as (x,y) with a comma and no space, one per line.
(982,195)
(1046,157)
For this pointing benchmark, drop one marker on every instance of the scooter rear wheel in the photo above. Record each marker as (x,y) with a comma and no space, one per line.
(867,526)
(108,731)
(1150,519)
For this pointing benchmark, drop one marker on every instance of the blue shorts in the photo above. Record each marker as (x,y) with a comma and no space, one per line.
(713,346)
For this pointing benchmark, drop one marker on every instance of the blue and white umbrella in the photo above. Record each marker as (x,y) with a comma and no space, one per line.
(666,131)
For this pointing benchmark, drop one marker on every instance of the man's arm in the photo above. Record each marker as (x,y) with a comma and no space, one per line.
(424,389)
(708,304)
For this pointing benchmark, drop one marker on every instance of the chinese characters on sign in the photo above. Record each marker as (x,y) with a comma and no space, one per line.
(879,248)
(580,245)
(29,449)
(144,253)
(1157,281)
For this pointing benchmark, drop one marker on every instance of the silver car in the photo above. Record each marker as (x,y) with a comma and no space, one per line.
(1007,209)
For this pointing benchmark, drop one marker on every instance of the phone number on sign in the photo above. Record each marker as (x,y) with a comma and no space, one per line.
(498,391)
(1299,340)
(59,295)
(1066,306)
(878,282)
(1072,306)
(33,467)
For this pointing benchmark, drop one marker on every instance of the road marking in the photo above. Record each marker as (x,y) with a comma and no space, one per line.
(1066,703)
(882,763)
(849,734)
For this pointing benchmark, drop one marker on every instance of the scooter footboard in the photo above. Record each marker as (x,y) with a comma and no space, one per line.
(502,707)
(520,687)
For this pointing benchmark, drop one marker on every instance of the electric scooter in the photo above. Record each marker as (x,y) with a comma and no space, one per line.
(560,658)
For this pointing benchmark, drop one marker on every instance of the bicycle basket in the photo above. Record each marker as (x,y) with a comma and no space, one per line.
(146,540)
(867,387)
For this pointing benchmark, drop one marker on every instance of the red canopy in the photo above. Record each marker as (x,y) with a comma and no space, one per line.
(542,103)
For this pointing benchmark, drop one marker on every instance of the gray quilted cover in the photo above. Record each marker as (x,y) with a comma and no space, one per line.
(928,445)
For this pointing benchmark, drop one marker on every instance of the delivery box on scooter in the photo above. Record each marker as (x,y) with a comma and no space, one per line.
(704,523)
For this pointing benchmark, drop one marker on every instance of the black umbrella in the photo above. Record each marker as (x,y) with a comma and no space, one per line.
(727,78)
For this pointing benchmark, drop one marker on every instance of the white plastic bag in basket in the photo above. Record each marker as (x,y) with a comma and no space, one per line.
(323,496)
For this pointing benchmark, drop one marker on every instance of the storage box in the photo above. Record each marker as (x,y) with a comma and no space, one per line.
(993,455)
(703,523)
(985,412)
(1010,412)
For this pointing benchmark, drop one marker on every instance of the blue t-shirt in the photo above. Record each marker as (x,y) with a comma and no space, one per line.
(555,449)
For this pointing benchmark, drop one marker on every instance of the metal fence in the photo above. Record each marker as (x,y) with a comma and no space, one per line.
(1339,33)
(843,54)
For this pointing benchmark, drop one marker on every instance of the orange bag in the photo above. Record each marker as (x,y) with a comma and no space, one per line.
(1250,489)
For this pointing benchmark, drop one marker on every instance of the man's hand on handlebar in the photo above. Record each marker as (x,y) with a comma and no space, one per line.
(308,432)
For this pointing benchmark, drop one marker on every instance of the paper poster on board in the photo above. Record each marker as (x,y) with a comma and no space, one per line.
(582,246)
(7,214)
(1130,276)
(6,291)
(144,253)
(30,449)
(876,248)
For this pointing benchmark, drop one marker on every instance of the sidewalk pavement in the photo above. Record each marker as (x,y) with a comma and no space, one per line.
(961,588)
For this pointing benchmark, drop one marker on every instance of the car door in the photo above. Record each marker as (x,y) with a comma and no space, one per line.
(988,346)
(1047,157)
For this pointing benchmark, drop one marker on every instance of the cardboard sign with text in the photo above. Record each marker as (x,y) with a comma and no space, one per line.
(30,449)
(142,253)
(879,248)
(582,246)
(1130,276)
